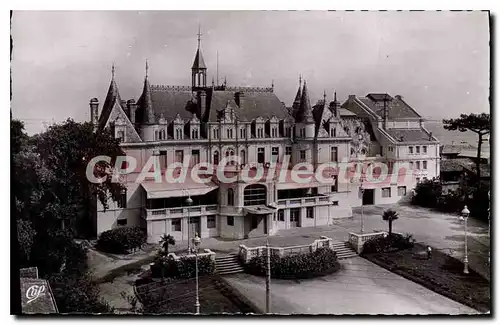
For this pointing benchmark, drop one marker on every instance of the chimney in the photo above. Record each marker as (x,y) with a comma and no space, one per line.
(399,97)
(131,107)
(123,104)
(94,109)
(430,136)
(386,112)
(203,103)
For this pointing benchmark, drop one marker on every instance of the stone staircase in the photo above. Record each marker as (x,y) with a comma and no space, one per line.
(227,264)
(343,250)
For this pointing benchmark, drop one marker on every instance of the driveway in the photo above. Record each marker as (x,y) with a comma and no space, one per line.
(360,287)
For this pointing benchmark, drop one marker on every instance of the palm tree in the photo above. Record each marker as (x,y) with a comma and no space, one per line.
(389,216)
(165,241)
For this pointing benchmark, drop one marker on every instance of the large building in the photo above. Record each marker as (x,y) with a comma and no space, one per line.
(204,123)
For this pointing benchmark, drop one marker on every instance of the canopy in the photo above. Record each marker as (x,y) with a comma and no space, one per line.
(259,209)
(166,190)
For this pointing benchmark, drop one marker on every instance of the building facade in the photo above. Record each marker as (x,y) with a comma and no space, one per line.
(206,125)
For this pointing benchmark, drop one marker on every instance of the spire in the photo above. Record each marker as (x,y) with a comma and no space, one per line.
(305,111)
(112,98)
(147,68)
(199,63)
(113,72)
(145,103)
(335,97)
(298,96)
(324,96)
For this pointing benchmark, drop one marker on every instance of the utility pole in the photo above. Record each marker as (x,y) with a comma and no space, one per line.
(268,278)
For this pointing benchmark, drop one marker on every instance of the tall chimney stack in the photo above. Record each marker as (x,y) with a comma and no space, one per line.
(94,111)
(131,107)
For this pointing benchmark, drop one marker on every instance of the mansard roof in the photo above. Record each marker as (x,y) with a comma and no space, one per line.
(397,107)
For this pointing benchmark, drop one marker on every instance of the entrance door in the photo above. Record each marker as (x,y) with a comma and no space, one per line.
(294,217)
(368,197)
(194,227)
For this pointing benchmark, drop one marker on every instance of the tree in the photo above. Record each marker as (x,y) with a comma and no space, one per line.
(165,241)
(477,123)
(389,216)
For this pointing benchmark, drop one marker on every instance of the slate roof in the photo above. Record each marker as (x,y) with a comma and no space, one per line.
(198,63)
(485,170)
(171,100)
(112,97)
(409,135)
(397,107)
(346,112)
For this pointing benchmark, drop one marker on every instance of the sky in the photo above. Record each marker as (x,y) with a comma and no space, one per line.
(439,62)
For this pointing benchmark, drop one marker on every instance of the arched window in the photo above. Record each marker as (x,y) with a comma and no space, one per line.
(230,197)
(255,194)
(216,157)
(242,157)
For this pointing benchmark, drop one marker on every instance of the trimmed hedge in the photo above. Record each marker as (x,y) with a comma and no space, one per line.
(395,242)
(302,266)
(183,268)
(121,240)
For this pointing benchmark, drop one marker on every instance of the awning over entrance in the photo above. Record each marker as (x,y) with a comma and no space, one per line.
(259,209)
(166,190)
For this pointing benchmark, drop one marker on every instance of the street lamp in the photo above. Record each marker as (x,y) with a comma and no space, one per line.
(189,201)
(464,217)
(196,243)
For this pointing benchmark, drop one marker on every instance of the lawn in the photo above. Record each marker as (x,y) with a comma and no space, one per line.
(441,273)
(178,297)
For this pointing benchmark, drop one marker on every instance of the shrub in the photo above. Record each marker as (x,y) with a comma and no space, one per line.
(122,240)
(321,262)
(183,268)
(383,244)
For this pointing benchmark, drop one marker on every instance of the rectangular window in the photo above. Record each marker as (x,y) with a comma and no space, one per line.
(215,133)
(195,157)
(401,190)
(179,156)
(424,149)
(333,132)
(261,157)
(121,136)
(281,215)
(302,155)
(230,220)
(122,201)
(211,222)
(163,158)
(194,134)
(417,149)
(310,213)
(303,133)
(121,222)
(176,224)
(424,164)
(418,165)
(335,203)
(334,155)
(335,186)
(275,154)
(411,165)
(288,151)
(243,133)
(386,192)
(410,150)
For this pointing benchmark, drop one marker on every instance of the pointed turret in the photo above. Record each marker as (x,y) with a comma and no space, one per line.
(145,114)
(199,69)
(296,102)
(304,114)
(112,98)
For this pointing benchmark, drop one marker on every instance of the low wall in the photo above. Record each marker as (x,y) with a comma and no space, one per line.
(206,252)
(356,241)
(247,253)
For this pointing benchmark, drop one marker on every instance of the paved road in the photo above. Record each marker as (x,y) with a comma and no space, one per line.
(360,287)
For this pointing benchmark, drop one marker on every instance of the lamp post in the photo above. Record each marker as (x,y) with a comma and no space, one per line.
(361,189)
(464,217)
(196,243)
(189,201)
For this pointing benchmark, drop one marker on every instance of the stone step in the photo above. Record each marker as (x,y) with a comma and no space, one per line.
(230,272)
(227,263)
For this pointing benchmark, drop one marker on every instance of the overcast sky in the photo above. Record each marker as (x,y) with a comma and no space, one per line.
(438,61)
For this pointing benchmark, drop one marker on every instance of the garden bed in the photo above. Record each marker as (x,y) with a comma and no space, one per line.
(441,273)
(178,297)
